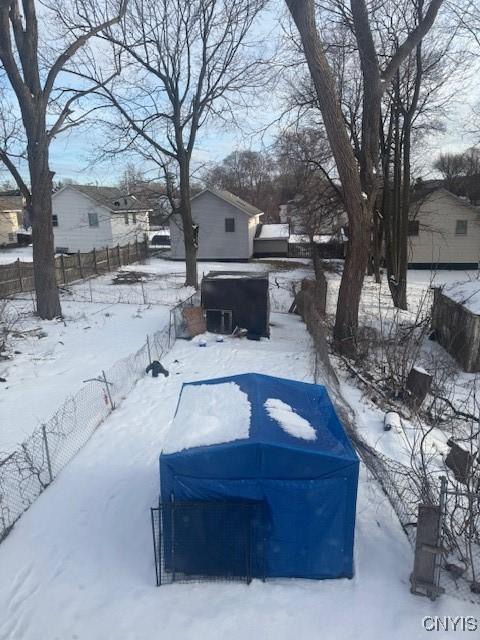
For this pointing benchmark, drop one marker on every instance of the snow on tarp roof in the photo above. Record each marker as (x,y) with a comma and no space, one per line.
(466,293)
(290,421)
(282,413)
(208,414)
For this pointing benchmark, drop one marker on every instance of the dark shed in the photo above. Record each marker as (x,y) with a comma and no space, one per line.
(236,299)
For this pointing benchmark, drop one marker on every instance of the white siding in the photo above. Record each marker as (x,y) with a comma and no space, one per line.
(123,233)
(209,212)
(73,231)
(437,242)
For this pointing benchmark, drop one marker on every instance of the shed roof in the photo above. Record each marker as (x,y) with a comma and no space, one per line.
(236,275)
(277,231)
(282,413)
(232,199)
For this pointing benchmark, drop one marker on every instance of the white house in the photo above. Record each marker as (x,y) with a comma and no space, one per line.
(11,218)
(87,217)
(226,227)
(443,232)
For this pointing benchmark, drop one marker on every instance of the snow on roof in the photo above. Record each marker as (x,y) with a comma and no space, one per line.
(274,232)
(466,293)
(209,414)
(236,275)
(290,421)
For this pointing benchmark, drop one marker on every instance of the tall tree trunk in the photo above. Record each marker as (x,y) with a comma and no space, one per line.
(359,215)
(46,290)
(189,236)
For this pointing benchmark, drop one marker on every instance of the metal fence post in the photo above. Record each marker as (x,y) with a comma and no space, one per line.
(143,292)
(47,452)
(107,386)
(149,351)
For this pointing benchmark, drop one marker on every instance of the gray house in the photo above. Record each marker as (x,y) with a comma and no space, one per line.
(226,227)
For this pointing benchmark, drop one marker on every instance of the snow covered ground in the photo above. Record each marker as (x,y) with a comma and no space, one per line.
(79,563)
(54,361)
(93,336)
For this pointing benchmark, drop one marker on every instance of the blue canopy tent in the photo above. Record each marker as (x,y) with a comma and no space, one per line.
(287,450)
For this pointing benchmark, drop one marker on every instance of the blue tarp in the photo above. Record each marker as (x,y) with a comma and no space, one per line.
(309,487)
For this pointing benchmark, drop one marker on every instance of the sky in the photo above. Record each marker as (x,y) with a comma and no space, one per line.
(74,155)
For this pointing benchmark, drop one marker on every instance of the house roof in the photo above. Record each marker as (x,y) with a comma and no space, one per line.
(421,195)
(11,203)
(110,197)
(232,199)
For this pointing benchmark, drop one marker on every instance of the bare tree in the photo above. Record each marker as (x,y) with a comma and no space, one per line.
(32,72)
(250,175)
(359,183)
(183,62)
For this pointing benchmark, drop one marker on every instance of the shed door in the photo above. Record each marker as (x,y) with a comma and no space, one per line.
(308,530)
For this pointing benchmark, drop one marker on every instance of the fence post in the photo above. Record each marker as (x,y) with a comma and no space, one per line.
(119,256)
(64,274)
(149,351)
(19,267)
(143,292)
(94,252)
(108,260)
(80,264)
(47,452)
(107,386)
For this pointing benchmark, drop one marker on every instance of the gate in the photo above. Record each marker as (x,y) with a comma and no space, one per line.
(208,541)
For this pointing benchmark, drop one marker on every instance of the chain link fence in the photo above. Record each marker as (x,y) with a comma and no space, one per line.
(27,472)
(406,487)
(460,542)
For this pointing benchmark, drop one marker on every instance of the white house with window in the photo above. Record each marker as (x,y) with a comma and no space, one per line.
(225,227)
(443,232)
(86,217)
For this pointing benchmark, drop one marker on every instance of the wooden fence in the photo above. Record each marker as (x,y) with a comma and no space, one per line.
(17,277)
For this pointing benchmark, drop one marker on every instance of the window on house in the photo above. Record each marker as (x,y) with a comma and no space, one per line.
(461,227)
(125,217)
(55,221)
(229,225)
(93,219)
(20,218)
(413,227)
(134,218)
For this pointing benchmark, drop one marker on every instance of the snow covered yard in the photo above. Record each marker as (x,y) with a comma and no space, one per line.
(54,357)
(79,564)
(102,323)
